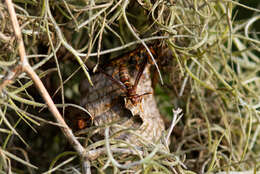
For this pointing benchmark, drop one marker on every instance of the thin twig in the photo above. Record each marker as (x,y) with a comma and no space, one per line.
(175,120)
(124,46)
(17,31)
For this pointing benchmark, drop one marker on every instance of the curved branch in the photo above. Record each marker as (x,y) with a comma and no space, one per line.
(24,64)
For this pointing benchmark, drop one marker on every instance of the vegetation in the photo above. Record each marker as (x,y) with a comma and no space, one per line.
(207,59)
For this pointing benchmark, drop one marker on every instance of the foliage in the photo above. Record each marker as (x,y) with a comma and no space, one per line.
(208,60)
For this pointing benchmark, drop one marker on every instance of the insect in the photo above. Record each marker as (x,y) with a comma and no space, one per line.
(111,100)
(130,89)
(124,78)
